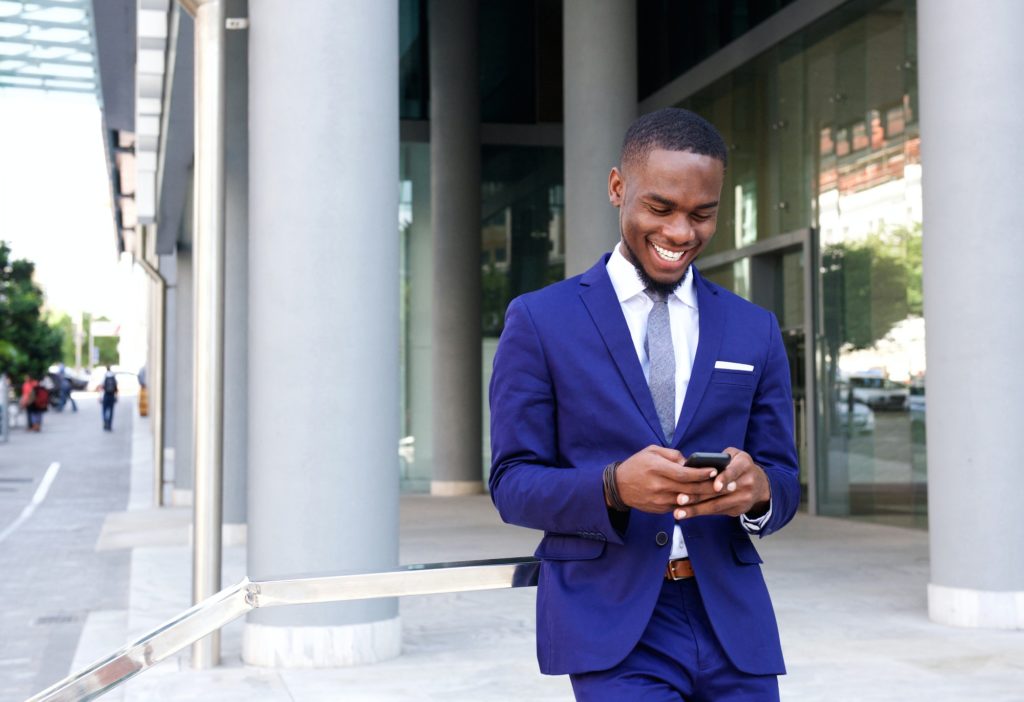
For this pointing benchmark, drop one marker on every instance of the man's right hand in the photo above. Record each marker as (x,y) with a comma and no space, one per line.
(652,479)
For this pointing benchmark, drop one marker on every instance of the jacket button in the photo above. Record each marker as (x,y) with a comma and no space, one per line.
(661,538)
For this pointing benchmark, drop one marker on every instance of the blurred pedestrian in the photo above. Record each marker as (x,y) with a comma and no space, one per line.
(108,399)
(65,390)
(143,393)
(28,400)
(44,393)
(35,399)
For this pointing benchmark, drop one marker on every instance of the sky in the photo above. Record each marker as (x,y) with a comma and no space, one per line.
(55,205)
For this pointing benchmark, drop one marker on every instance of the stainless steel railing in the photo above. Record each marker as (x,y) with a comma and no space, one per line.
(229,604)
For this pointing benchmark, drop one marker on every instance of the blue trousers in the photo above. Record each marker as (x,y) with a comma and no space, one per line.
(108,414)
(677,658)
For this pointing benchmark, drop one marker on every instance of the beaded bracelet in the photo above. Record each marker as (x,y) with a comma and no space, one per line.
(611,488)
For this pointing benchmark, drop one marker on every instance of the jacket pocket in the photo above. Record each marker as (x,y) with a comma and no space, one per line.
(744,550)
(733,377)
(561,547)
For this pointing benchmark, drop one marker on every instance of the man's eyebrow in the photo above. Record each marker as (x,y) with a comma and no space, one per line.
(668,202)
(660,199)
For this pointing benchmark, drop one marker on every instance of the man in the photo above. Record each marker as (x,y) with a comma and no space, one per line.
(65,389)
(109,399)
(650,587)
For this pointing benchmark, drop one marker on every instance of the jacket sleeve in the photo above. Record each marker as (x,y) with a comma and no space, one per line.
(770,439)
(528,484)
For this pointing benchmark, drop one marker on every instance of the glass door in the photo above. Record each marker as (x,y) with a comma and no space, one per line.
(773,274)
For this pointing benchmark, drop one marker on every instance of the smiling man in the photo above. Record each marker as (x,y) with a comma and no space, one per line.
(604,384)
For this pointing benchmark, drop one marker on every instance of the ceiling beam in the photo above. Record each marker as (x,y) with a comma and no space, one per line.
(47,88)
(46,4)
(48,76)
(58,61)
(81,23)
(81,44)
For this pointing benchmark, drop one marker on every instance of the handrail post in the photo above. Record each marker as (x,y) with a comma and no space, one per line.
(208,416)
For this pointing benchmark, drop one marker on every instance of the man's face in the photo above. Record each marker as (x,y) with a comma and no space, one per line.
(668,211)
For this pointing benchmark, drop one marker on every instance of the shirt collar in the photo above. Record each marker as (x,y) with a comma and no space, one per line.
(627,283)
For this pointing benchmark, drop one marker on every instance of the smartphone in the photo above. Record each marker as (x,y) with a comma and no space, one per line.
(700,459)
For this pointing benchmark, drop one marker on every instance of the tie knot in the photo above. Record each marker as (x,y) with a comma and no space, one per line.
(656,295)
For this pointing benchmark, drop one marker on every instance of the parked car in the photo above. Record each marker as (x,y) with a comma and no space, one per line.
(879,393)
(857,418)
(915,401)
(79,381)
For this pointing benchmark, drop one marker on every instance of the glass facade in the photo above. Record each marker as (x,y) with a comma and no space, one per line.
(820,218)
(823,138)
(523,226)
(520,61)
(674,36)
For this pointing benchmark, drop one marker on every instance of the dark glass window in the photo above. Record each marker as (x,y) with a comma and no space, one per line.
(523,235)
(413,65)
(674,36)
(520,61)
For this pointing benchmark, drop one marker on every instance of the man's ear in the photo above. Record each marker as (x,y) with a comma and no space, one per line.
(615,187)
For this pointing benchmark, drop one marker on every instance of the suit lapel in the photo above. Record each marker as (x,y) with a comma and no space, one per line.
(598,296)
(712,325)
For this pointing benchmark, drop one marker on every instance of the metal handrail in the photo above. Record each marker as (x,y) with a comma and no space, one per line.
(230,603)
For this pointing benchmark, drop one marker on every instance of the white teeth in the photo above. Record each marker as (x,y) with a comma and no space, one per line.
(666,254)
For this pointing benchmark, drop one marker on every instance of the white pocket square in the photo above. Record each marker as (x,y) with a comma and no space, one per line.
(729,365)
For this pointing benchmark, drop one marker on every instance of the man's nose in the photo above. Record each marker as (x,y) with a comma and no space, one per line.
(680,231)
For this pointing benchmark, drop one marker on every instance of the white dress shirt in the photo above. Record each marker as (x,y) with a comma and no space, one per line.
(684,324)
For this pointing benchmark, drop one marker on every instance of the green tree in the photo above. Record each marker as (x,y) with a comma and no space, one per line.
(67,329)
(28,344)
(106,346)
(871,285)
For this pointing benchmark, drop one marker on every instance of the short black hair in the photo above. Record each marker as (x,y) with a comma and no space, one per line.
(673,129)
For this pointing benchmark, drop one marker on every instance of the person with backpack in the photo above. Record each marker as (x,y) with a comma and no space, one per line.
(35,399)
(108,399)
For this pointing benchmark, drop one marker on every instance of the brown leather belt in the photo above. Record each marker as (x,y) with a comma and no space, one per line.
(679,569)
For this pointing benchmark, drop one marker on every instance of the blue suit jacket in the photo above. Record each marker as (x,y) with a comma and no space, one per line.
(568,396)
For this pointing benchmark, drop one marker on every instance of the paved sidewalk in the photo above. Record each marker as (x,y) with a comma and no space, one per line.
(850,599)
(55,489)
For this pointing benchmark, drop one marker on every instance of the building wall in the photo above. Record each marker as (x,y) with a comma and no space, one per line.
(823,134)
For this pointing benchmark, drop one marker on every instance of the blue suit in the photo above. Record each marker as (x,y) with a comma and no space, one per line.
(568,397)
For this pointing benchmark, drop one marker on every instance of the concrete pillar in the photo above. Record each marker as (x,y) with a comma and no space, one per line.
(184,475)
(323,321)
(421,303)
(236,276)
(971,101)
(599,49)
(455,218)
(168,269)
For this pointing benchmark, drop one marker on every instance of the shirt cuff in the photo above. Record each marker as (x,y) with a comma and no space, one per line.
(753,526)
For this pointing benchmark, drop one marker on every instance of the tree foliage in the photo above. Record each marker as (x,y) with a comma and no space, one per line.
(106,346)
(870,285)
(28,344)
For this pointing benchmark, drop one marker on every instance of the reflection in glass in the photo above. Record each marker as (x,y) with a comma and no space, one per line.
(523,226)
(823,132)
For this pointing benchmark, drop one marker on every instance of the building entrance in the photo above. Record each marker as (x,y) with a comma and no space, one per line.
(774,274)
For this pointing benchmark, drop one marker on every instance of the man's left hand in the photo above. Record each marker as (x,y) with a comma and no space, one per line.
(741,488)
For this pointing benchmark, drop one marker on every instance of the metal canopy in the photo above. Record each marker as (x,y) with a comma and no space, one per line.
(48,45)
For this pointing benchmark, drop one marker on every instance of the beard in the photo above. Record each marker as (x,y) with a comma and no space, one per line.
(665,289)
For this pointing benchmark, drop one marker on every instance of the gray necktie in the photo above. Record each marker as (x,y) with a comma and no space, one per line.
(658,344)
